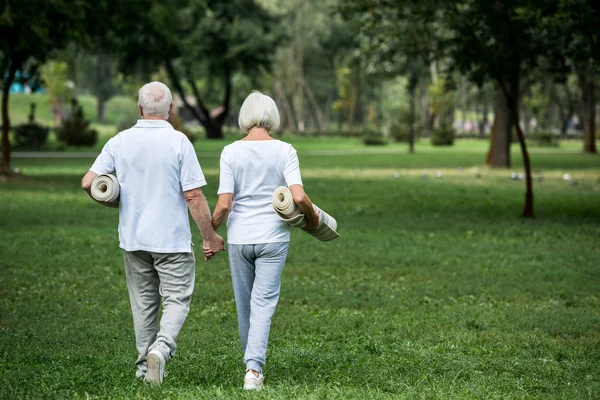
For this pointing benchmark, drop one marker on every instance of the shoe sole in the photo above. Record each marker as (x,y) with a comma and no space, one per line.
(153,373)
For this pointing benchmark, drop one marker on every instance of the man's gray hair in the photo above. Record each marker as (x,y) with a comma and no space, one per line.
(155,99)
(258,110)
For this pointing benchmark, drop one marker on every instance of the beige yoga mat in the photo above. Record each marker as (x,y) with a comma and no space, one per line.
(287,210)
(105,188)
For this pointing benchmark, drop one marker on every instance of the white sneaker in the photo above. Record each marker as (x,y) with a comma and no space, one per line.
(251,382)
(156,368)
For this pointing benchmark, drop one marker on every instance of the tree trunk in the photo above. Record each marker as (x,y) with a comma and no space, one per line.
(412,89)
(100,108)
(510,91)
(425,120)
(287,108)
(314,107)
(212,126)
(8,81)
(499,154)
(562,113)
(484,118)
(588,89)
(299,95)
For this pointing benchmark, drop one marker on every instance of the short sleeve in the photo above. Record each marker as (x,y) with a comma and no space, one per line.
(291,170)
(226,180)
(105,162)
(191,175)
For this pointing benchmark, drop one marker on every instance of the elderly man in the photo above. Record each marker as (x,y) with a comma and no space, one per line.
(160,178)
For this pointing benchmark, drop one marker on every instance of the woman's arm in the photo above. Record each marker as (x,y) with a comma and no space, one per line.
(222,209)
(305,205)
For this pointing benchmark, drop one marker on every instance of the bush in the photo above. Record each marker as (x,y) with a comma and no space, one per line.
(30,135)
(400,132)
(442,137)
(177,122)
(545,139)
(75,129)
(127,122)
(374,138)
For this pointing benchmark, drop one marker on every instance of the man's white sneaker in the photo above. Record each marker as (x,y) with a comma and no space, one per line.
(251,382)
(156,368)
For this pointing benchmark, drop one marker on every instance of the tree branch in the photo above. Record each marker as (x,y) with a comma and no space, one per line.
(177,85)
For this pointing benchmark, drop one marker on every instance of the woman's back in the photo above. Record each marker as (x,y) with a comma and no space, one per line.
(252,170)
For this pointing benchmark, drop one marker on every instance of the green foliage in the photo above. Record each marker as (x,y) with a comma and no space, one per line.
(545,139)
(442,136)
(75,129)
(441,101)
(374,138)
(177,122)
(400,132)
(30,136)
(127,122)
(56,82)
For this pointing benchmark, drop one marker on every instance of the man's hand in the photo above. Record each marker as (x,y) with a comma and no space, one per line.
(212,246)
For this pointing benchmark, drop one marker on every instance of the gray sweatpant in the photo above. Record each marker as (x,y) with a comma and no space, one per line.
(256,274)
(150,277)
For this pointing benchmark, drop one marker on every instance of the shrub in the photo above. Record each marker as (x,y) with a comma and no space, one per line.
(75,129)
(400,132)
(442,137)
(177,122)
(30,135)
(127,122)
(374,138)
(545,139)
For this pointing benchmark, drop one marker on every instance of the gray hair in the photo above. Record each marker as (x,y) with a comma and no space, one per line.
(258,110)
(155,99)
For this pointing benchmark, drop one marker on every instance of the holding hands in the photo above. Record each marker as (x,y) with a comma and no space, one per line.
(211,246)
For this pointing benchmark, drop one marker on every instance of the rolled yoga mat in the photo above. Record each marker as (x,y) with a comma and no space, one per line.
(287,210)
(105,188)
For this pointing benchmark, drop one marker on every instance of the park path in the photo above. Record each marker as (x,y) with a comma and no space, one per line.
(207,154)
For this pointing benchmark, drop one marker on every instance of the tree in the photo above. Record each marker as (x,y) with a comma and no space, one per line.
(480,38)
(391,42)
(30,30)
(60,92)
(196,39)
(570,35)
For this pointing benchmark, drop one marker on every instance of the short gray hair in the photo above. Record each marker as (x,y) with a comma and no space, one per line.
(155,99)
(258,110)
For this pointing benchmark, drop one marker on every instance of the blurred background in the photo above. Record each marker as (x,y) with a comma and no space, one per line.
(382,71)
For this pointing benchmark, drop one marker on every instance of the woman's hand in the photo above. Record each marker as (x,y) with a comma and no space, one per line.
(311,224)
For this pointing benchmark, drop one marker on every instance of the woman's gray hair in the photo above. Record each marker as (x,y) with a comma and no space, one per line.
(258,110)
(155,99)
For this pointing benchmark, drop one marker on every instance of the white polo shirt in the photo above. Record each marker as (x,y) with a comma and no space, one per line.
(252,170)
(154,164)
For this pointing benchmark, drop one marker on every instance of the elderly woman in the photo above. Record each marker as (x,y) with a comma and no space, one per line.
(258,241)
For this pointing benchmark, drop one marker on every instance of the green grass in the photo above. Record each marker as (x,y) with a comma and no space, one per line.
(436,288)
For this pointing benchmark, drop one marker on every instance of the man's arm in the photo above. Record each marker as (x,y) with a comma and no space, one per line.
(201,214)
(222,209)
(305,205)
(86,184)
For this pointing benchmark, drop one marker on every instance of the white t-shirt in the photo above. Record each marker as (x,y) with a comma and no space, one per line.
(252,170)
(154,164)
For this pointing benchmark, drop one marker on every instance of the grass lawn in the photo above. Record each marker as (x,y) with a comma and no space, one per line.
(436,288)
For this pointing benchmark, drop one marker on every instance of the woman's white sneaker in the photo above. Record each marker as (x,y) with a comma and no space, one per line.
(251,382)
(156,368)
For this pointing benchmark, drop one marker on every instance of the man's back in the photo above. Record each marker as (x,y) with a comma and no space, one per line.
(154,164)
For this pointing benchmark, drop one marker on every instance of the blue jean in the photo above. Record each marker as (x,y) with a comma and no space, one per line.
(256,275)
